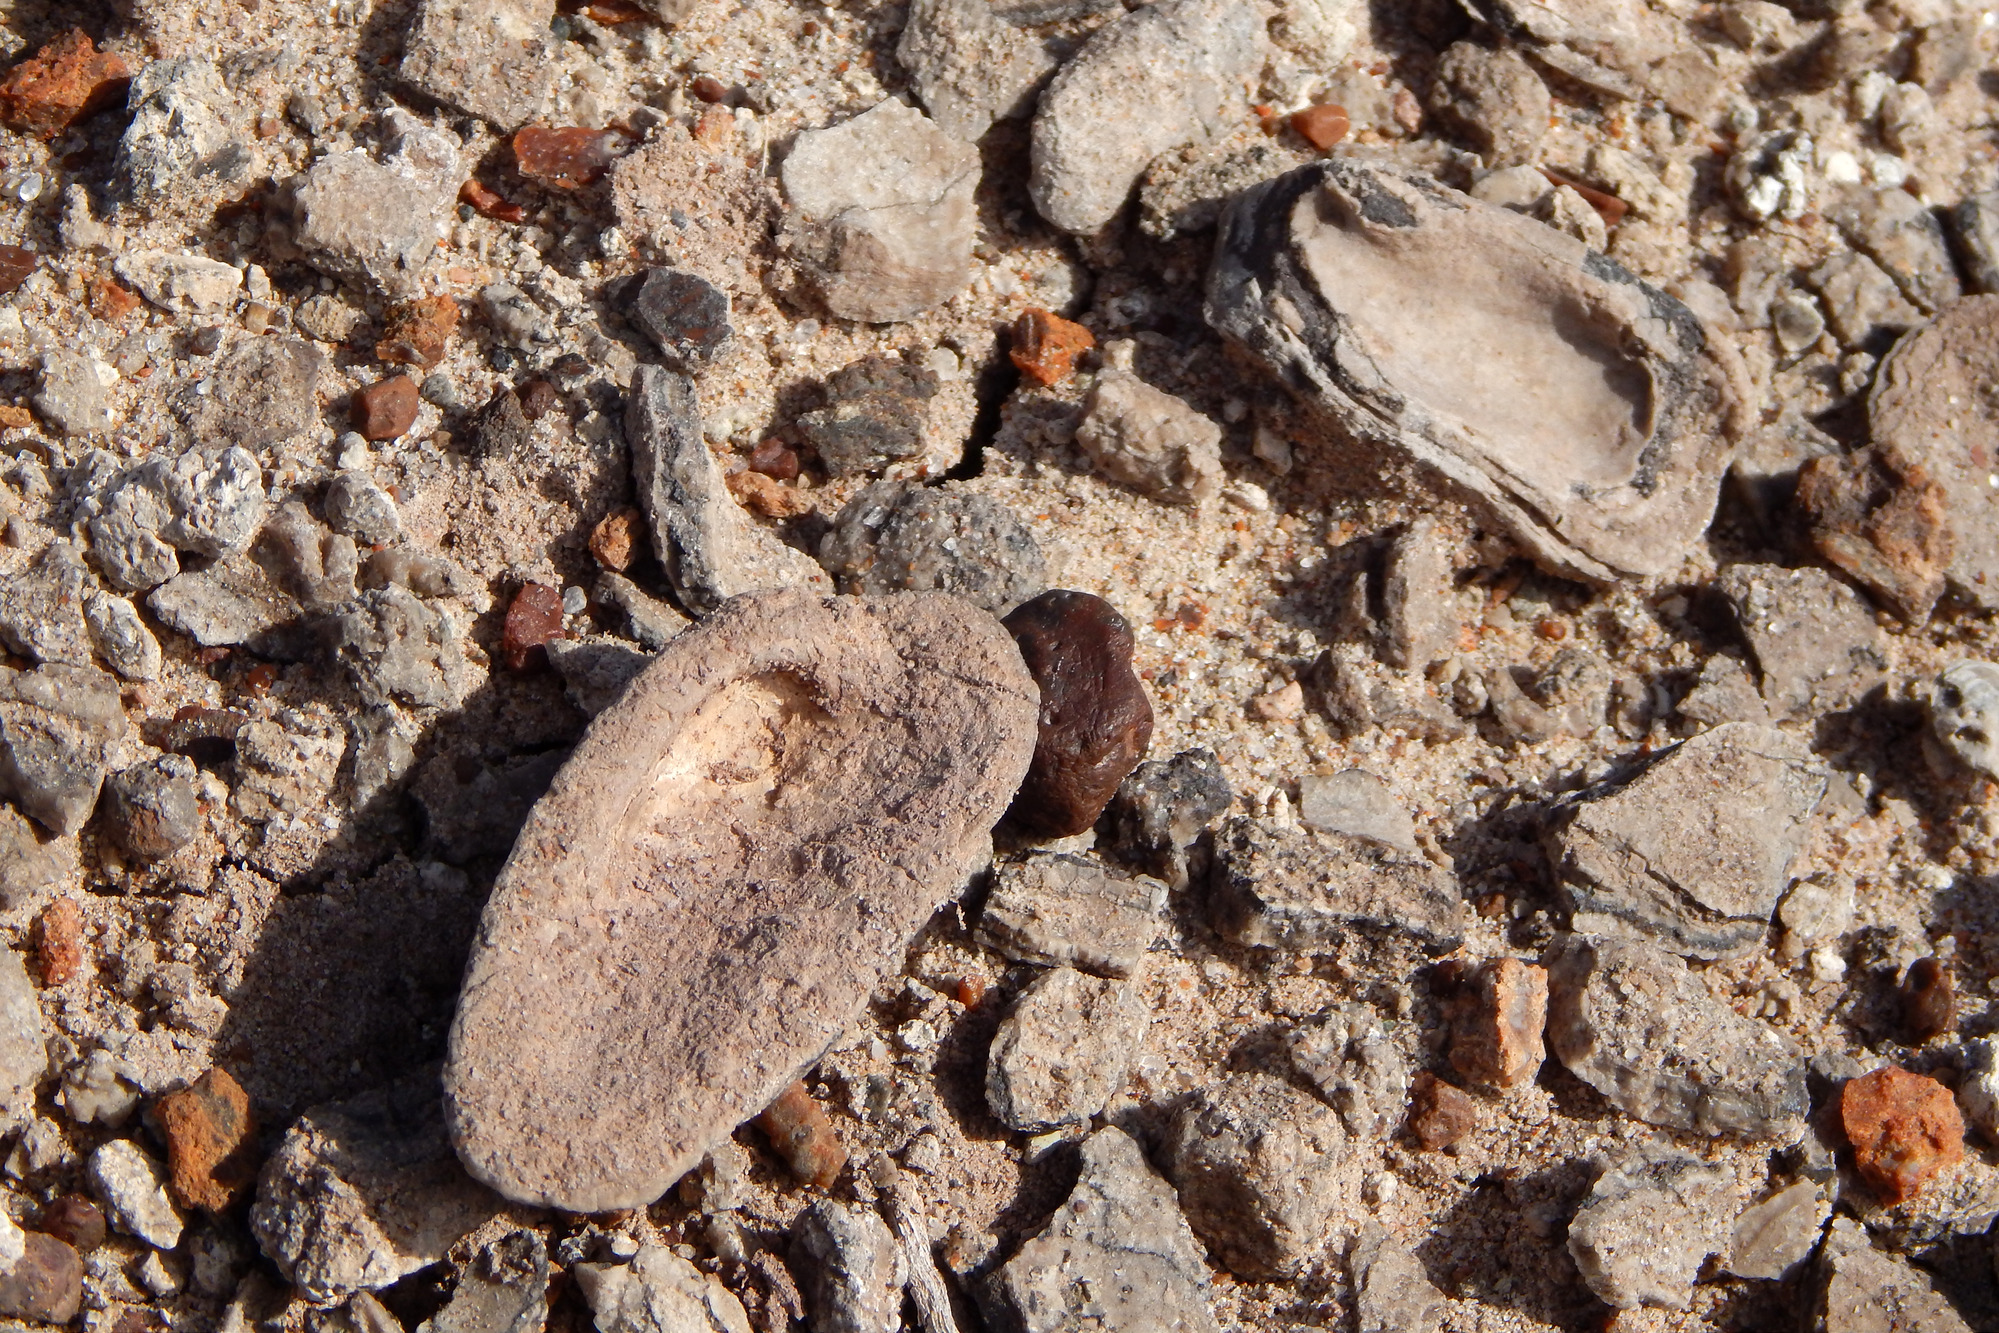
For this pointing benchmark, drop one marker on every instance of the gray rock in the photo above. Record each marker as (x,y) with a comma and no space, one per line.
(1184,61)
(57,726)
(658,1292)
(711,550)
(121,638)
(1962,1199)
(1420,620)
(1162,807)
(1773,1238)
(1632,1022)
(1978,1089)
(151,810)
(1392,1293)
(216,500)
(879,416)
(1117,1255)
(27,868)
(231,602)
(1301,890)
(850,1268)
(1061,1054)
(513,314)
(1816,642)
(970,66)
(1349,1056)
(1964,714)
(899,536)
(375,217)
(24,1036)
(595,670)
(72,394)
(1566,698)
(1647,1226)
(397,647)
(1862,1290)
(365,1191)
(1975,223)
(1262,1171)
(133,1189)
(1860,298)
(316,566)
(1358,804)
(181,283)
(359,507)
(1185,192)
(1494,97)
(1896,231)
(1310,275)
(643,618)
(261,391)
(1625,51)
(494,59)
(883,216)
(125,531)
(504,1289)
(1693,849)
(41,608)
(685,315)
(1724,692)
(1061,910)
(1147,439)
(178,139)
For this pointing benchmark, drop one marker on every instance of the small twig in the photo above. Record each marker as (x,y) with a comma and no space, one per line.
(925,1284)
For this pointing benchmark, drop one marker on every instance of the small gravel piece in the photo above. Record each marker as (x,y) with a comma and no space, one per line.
(969,65)
(41,1278)
(1061,1055)
(877,417)
(1815,640)
(803,1135)
(1441,1115)
(152,810)
(1497,1016)
(24,1034)
(374,216)
(386,409)
(898,536)
(493,59)
(685,315)
(1647,1226)
(42,608)
(1061,910)
(651,623)
(1351,1057)
(58,724)
(177,138)
(1044,346)
(1392,1293)
(1149,440)
(60,84)
(534,617)
(121,637)
(1964,714)
(1162,808)
(850,1269)
(133,1188)
(211,1138)
(72,393)
(1494,97)
(504,1286)
(1775,1237)
(355,504)
(1904,1129)
(1420,621)
(1357,804)
(1864,1290)
(658,1292)
(1298,889)
(76,1222)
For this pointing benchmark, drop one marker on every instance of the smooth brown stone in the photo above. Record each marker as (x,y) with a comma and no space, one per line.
(384,411)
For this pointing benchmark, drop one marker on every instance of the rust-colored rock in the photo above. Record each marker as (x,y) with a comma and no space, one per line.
(616,539)
(775,460)
(763,495)
(1497,1016)
(1045,346)
(1904,1128)
(45,1283)
(1884,520)
(16,264)
(566,159)
(1439,1114)
(59,941)
(417,332)
(384,411)
(1929,1000)
(1095,718)
(1323,125)
(804,1137)
(538,399)
(484,200)
(61,84)
(211,1142)
(108,301)
(533,618)
(76,1222)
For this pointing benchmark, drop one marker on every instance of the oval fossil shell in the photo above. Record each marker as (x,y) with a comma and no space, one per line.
(737,852)
(1589,413)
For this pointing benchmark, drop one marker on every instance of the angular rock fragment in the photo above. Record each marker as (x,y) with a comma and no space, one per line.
(1392,1293)
(42,608)
(1975,226)
(1147,439)
(1862,1290)
(1357,804)
(883,212)
(177,136)
(595,670)
(1633,1023)
(1185,192)
(1162,807)
(1816,643)
(899,536)
(41,1277)
(61,84)
(803,1135)
(1061,910)
(1350,1057)
(1904,1129)
(355,504)
(151,810)
(72,393)
(1061,1055)
(658,1292)
(211,1139)
(879,415)
(1301,890)
(1627,51)
(1884,521)
(503,1288)
(58,724)
(493,59)
(261,391)
(1441,1115)
(180,282)
(852,1269)
(1185,61)
(1496,1017)
(375,217)
(395,647)
(416,332)
(26,866)
(1861,301)
(1693,849)
(969,65)
(567,158)
(1964,714)
(1610,466)
(24,1035)
(231,602)
(685,315)
(1495,98)
(133,1188)
(122,639)
(1773,1238)
(1647,1226)
(1420,621)
(1044,346)
(649,622)
(1898,232)
(711,550)
(1118,1254)
(836,766)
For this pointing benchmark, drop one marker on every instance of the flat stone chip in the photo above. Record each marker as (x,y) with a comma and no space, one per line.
(737,852)
(1589,413)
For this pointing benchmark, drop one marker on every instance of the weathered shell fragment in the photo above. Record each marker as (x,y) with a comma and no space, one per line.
(737,852)
(1589,412)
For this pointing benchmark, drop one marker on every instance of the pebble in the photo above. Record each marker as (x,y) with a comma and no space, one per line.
(1061,1055)
(75,1221)
(1061,910)
(645,619)
(177,141)
(616,538)
(1883,521)
(417,333)
(970,65)
(386,409)
(503,1287)
(597,1105)
(24,1033)
(17,264)
(1357,804)
(374,217)
(1904,1129)
(533,618)
(882,212)
(1163,807)
(1286,277)
(494,59)
(1773,1239)
(211,1139)
(1116,1255)
(878,416)
(356,505)
(180,283)
(152,810)
(1440,1114)
(1631,1021)
(1147,439)
(1185,61)
(1421,621)
(1694,848)
(73,393)
(395,647)
(60,84)
(569,158)
(521,324)
(1497,1014)
(1975,225)
(1043,346)
(1494,98)
(133,1188)
(900,536)
(1929,1001)
(96,1091)
(1297,889)
(1322,125)
(231,602)
(711,550)
(1351,1057)
(685,315)
(1862,303)
(58,934)
(1648,1224)
(42,1278)
(362,1192)
(1391,1292)
(42,608)
(501,428)
(658,1292)
(1095,718)
(802,1134)
(1964,714)
(261,392)
(58,724)
(850,1268)
(1816,644)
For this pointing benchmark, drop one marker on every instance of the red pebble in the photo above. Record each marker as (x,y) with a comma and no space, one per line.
(534,618)
(804,1137)
(1322,126)
(16,264)
(565,159)
(775,459)
(61,84)
(384,411)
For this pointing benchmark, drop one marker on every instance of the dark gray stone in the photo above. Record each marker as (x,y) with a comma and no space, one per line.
(1162,807)
(57,726)
(685,315)
(877,416)
(899,536)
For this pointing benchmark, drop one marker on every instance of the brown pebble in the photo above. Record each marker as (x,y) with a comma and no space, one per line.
(1045,346)
(565,159)
(1323,125)
(764,495)
(615,539)
(416,332)
(1881,518)
(61,84)
(487,202)
(384,411)
(16,264)
(76,1222)
(110,302)
(59,941)
(211,1140)
(45,1283)
(1497,1014)
(804,1137)
(533,618)
(708,89)
(1440,1115)
(971,989)
(1095,719)
(1904,1128)
(1929,1000)
(538,399)
(775,460)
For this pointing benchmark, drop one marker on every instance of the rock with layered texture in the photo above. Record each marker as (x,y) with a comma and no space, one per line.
(735,855)
(493,59)
(1647,1226)
(1589,414)
(1300,889)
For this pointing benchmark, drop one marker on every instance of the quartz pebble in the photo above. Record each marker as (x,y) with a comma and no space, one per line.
(133,1188)
(1904,1129)
(897,536)
(211,1139)
(1648,1224)
(1061,1054)
(1044,346)
(1149,440)
(1497,1016)
(1062,910)
(1299,889)
(1964,714)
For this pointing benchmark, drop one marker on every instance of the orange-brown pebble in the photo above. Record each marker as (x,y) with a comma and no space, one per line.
(1323,125)
(775,459)
(384,411)
(614,541)
(800,1132)
(538,399)
(766,496)
(211,1141)
(59,941)
(533,618)
(1439,1114)
(61,84)
(971,989)
(110,302)
(1497,1016)
(1904,1128)
(76,1222)
(416,332)
(568,158)
(12,417)
(16,264)
(487,202)
(1045,346)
